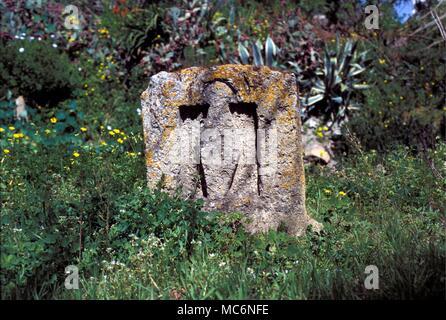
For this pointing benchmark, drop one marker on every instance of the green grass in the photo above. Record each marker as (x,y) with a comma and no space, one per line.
(387,218)
(141,244)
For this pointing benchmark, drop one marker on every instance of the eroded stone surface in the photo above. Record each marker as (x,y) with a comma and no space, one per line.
(230,135)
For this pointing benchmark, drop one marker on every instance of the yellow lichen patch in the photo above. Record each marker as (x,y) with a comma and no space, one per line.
(259,85)
(166,88)
(248,81)
(289,100)
(190,72)
(289,178)
(269,97)
(301,177)
(166,133)
(144,95)
(246,201)
(286,118)
(149,158)
(152,175)
(169,181)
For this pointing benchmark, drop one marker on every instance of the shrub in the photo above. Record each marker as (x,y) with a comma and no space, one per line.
(37,71)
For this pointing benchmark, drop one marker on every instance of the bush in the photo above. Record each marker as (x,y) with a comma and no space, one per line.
(405,103)
(407,110)
(37,71)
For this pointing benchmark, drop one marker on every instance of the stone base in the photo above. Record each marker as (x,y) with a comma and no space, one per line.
(230,135)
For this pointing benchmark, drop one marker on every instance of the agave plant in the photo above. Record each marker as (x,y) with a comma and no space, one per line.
(335,82)
(270,51)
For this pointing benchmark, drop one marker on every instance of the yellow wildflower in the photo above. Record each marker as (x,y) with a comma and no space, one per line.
(18,135)
(327,191)
(111,133)
(103,31)
(76,154)
(382,61)
(1,129)
(342,193)
(6,151)
(53,120)
(120,140)
(116,130)
(83,129)
(11,128)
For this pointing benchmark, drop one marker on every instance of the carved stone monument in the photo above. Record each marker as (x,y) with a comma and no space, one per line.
(230,135)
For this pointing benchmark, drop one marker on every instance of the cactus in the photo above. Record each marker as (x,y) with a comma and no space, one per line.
(270,49)
(335,81)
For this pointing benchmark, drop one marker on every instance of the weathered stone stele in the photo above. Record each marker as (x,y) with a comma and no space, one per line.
(230,135)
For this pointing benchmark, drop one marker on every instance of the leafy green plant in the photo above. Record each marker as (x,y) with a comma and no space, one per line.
(271,50)
(133,29)
(37,71)
(405,101)
(336,82)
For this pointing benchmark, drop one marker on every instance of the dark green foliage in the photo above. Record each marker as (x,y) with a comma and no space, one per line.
(36,70)
(133,29)
(336,82)
(94,212)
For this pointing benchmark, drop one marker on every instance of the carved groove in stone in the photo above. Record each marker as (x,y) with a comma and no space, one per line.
(196,109)
(250,111)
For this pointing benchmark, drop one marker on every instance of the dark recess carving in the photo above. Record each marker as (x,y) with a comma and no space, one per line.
(249,109)
(193,112)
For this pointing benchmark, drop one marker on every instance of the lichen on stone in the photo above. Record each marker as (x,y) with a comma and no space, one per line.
(268,201)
